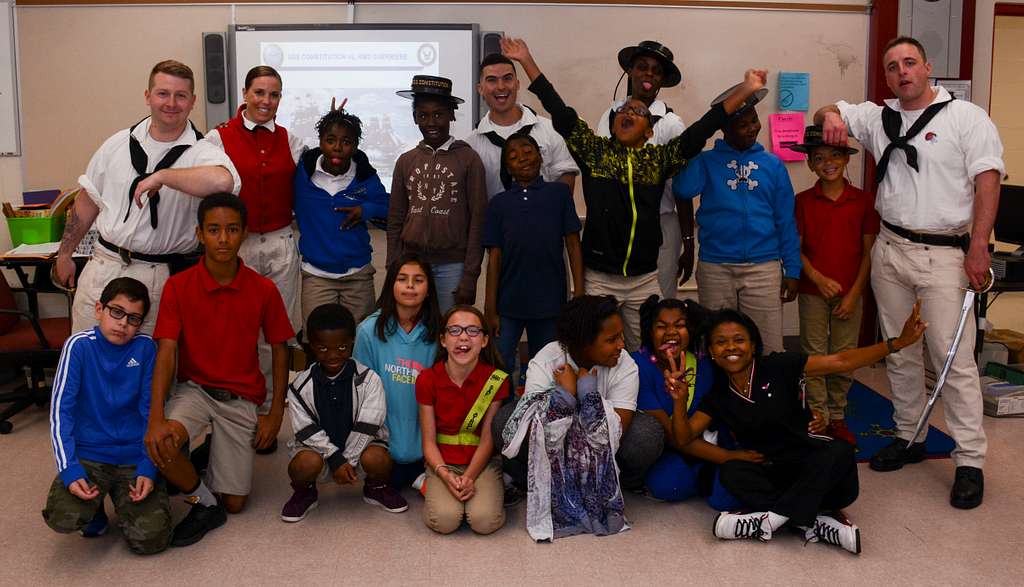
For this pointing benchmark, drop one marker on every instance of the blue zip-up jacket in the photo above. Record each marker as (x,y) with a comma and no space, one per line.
(746,206)
(321,242)
(398,361)
(100,404)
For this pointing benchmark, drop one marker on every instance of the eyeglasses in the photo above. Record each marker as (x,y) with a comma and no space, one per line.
(636,110)
(471,331)
(117,314)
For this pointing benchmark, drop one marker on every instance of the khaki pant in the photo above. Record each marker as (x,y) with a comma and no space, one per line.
(102,268)
(484,512)
(821,333)
(631,293)
(274,255)
(232,425)
(668,255)
(901,272)
(750,288)
(355,292)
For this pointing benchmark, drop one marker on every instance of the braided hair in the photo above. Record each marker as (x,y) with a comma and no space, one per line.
(340,117)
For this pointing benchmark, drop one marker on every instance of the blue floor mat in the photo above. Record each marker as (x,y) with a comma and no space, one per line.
(869,417)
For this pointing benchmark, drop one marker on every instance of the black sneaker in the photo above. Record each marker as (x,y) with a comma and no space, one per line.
(200,520)
(968,488)
(513,496)
(897,454)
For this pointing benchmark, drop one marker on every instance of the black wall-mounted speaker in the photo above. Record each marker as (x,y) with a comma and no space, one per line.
(215,66)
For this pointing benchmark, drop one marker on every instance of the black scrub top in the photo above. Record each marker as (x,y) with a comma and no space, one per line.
(773,420)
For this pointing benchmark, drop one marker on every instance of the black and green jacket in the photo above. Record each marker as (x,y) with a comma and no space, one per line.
(623,186)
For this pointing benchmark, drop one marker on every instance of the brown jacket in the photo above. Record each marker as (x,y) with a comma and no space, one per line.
(438,207)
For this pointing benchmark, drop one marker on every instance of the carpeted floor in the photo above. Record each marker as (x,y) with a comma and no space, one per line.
(911,536)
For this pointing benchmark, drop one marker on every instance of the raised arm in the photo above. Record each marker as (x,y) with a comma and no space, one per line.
(852,359)
(563,117)
(832,126)
(691,142)
(683,429)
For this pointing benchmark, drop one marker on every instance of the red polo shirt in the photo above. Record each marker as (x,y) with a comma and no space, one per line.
(831,233)
(218,327)
(452,404)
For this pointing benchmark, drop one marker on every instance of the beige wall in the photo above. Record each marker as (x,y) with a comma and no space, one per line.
(1007,96)
(83,68)
(1008,92)
(984,22)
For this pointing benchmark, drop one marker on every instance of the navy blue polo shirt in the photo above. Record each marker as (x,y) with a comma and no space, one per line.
(529,225)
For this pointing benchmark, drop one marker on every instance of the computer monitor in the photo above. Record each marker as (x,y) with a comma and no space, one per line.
(1010,217)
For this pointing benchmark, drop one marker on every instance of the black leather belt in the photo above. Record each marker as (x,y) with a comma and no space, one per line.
(128,256)
(218,393)
(960,241)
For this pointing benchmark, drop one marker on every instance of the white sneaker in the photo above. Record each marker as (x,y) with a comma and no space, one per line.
(835,528)
(420,484)
(733,526)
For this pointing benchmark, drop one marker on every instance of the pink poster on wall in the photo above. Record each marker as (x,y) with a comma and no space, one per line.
(787,128)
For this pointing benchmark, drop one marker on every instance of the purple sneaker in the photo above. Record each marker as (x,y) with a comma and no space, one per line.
(302,501)
(384,496)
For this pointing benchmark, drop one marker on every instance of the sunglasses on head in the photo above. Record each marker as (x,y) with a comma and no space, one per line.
(456,330)
(117,314)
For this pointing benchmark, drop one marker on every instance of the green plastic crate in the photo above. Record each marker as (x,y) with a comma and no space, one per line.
(32,231)
(1004,372)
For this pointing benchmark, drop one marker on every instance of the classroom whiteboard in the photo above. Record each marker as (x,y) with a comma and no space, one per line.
(9,143)
(364,64)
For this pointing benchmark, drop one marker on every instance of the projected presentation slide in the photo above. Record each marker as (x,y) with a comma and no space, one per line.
(365,67)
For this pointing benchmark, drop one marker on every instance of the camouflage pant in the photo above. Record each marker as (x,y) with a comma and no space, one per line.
(146,525)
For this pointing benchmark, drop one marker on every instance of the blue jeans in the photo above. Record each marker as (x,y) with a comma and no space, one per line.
(447,277)
(539,332)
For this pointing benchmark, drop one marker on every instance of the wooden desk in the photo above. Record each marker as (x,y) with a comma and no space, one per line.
(34,278)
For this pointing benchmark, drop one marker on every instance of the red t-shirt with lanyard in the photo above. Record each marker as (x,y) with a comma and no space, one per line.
(452,404)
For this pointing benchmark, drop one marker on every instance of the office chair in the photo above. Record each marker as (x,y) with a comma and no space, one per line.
(28,341)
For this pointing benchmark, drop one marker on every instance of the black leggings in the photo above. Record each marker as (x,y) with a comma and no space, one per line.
(825,479)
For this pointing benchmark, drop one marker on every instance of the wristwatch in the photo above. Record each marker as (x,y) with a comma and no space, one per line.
(892,347)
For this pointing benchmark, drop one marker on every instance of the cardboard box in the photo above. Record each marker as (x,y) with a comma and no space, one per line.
(1000,398)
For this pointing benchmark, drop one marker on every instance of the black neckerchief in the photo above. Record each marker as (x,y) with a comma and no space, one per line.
(140,161)
(497,141)
(891,123)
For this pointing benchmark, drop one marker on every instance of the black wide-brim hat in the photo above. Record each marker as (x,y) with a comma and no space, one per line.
(660,52)
(430,85)
(751,101)
(815,137)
